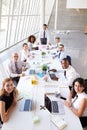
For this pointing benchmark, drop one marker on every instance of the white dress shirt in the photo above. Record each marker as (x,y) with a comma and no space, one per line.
(56,45)
(71,74)
(25,55)
(62,55)
(78,101)
(31,45)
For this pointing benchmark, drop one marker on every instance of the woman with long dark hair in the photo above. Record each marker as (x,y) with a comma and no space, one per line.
(78,104)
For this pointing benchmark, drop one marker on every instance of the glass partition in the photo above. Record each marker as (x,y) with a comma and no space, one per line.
(19,19)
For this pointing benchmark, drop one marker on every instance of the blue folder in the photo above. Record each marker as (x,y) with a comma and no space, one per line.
(40,75)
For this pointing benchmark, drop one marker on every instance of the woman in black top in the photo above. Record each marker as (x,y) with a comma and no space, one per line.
(8,99)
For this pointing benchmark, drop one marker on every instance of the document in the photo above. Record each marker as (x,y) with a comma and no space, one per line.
(60,123)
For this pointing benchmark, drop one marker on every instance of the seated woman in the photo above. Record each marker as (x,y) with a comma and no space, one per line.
(78,104)
(32,43)
(8,99)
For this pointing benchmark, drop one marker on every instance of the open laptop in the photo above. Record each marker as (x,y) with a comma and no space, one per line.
(25,105)
(31,71)
(55,107)
(52,75)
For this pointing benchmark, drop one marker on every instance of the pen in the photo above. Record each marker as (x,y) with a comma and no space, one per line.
(20,99)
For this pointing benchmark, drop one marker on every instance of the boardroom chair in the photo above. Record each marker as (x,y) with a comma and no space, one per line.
(69,59)
(47,103)
(85,86)
(83,121)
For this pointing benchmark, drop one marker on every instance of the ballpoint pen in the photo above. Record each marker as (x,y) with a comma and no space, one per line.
(20,98)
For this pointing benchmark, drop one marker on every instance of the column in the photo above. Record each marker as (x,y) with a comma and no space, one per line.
(56,14)
(0,12)
(42,12)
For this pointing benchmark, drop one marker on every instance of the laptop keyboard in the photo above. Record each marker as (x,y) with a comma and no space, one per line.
(55,107)
(27,105)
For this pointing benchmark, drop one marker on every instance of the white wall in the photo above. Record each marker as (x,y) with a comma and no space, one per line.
(76,4)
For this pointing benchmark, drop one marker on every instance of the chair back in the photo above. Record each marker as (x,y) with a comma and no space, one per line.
(85,90)
(83,121)
(69,59)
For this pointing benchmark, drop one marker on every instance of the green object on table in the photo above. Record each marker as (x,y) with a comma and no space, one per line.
(36,119)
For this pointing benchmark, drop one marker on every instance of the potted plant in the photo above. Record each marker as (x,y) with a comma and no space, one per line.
(43,54)
(44,68)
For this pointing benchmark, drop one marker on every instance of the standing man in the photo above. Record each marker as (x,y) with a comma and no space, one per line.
(16,68)
(44,35)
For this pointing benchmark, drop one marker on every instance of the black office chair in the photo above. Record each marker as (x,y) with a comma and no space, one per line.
(69,59)
(85,90)
(83,121)
(47,103)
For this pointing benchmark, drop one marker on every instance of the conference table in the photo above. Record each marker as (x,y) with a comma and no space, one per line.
(39,118)
(21,120)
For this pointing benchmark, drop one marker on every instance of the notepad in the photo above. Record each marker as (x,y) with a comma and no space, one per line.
(60,123)
(40,75)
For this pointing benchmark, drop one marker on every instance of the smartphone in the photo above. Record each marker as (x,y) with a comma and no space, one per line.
(63,98)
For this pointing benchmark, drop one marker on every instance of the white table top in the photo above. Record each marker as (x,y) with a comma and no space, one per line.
(24,120)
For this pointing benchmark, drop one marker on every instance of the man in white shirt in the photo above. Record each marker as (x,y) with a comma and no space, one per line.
(61,54)
(44,35)
(67,74)
(57,42)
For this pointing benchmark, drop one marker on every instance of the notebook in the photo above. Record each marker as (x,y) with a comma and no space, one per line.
(41,75)
(25,105)
(60,123)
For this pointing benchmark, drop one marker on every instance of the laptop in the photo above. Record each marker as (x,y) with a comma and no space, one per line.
(31,71)
(52,75)
(25,105)
(43,41)
(55,107)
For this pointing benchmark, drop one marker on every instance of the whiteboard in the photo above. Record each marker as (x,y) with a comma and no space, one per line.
(76,4)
